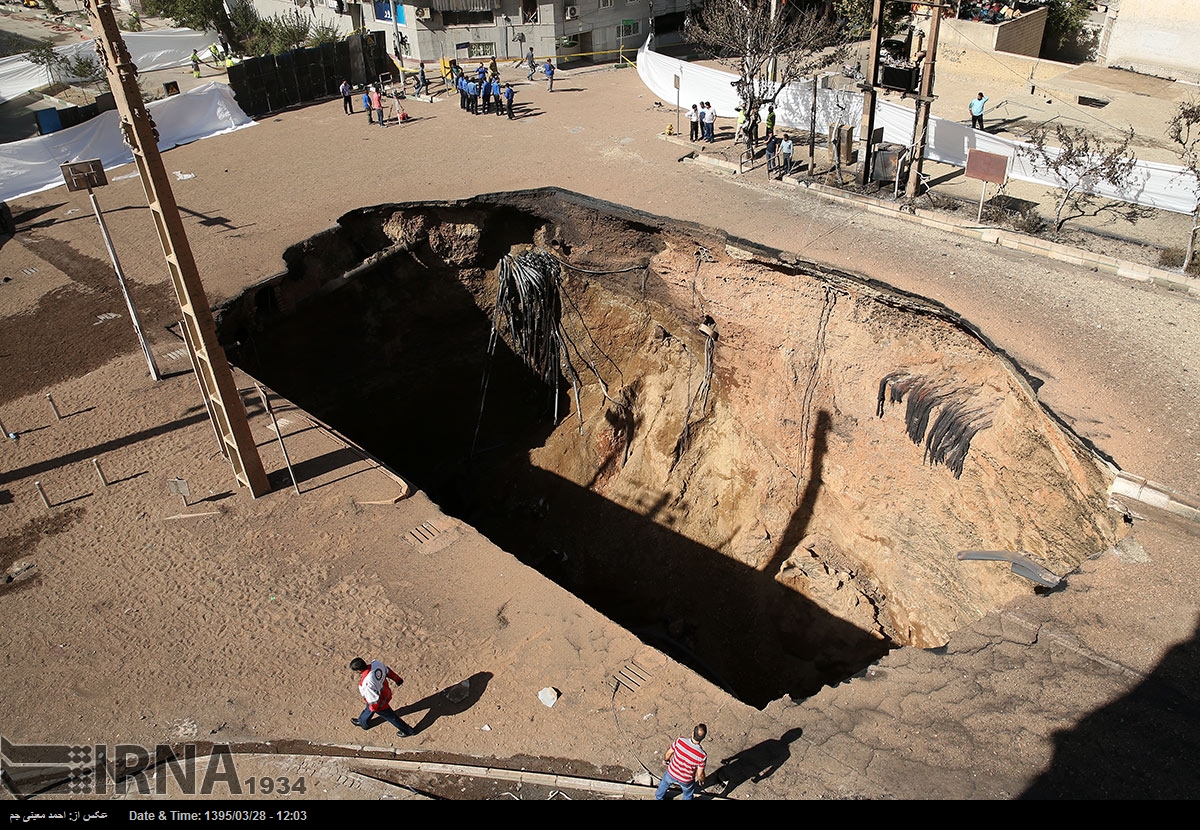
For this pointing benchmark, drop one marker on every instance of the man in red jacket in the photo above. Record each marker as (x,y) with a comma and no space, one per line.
(373,686)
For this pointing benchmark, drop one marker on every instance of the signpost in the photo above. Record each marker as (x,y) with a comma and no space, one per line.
(85,175)
(987,167)
(676,105)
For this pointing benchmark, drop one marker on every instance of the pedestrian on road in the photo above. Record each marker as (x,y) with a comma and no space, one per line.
(976,107)
(694,122)
(195,63)
(366,101)
(770,122)
(422,81)
(377,105)
(497,99)
(549,70)
(710,121)
(373,686)
(786,148)
(532,61)
(508,99)
(685,765)
(347,104)
(772,150)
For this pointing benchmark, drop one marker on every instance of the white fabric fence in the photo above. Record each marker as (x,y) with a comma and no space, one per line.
(158,49)
(32,165)
(1164,186)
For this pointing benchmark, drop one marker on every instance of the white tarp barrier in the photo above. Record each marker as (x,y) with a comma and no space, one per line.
(158,49)
(32,165)
(1164,186)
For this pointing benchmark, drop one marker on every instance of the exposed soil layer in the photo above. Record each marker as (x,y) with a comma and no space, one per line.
(752,485)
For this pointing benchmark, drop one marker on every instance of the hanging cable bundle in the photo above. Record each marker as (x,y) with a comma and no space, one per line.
(528,314)
(949,438)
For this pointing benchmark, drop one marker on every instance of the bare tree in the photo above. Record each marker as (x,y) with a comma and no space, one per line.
(1079,164)
(1184,131)
(768,45)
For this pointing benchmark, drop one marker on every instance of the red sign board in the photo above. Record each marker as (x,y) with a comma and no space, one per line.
(988,167)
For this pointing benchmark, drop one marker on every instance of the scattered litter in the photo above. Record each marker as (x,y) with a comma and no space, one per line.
(191,515)
(132,175)
(72,210)
(548,696)
(108,315)
(181,176)
(485,728)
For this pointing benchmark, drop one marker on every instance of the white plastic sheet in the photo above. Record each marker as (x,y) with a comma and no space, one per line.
(32,165)
(158,49)
(1163,186)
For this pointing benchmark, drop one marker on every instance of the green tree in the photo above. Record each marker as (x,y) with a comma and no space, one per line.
(43,55)
(857,17)
(200,15)
(1065,35)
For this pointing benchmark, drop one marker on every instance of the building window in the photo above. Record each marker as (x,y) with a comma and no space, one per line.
(606,4)
(631,2)
(468,18)
(481,50)
(630,29)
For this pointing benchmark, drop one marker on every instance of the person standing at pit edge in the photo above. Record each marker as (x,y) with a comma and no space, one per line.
(347,104)
(373,686)
(685,765)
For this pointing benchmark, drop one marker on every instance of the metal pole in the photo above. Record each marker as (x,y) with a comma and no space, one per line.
(279,435)
(6,433)
(133,315)
(812,131)
(868,89)
(42,493)
(99,472)
(53,408)
(396,43)
(982,193)
(678,84)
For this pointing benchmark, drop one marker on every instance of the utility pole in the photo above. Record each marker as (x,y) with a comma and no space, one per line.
(221,395)
(868,91)
(924,101)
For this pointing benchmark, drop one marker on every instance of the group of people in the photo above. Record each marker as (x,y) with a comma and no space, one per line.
(547,69)
(684,761)
(372,101)
(482,93)
(703,121)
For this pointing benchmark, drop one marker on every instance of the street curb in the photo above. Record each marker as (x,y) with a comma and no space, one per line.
(1100,263)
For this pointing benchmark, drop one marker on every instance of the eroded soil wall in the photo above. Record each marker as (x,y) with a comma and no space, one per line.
(733,493)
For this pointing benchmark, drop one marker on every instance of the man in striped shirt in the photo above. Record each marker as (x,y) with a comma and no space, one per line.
(685,765)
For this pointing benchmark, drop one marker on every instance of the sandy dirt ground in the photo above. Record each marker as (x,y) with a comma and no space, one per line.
(145,620)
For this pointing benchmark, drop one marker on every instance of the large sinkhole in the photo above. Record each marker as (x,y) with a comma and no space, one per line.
(762,467)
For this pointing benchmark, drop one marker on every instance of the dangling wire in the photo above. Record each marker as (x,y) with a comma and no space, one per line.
(528,313)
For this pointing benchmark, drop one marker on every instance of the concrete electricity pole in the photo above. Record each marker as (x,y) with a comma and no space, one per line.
(212,368)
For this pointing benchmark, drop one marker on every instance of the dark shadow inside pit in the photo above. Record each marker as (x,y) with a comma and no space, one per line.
(395,360)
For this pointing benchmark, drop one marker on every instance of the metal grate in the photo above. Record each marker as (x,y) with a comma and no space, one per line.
(631,677)
(424,532)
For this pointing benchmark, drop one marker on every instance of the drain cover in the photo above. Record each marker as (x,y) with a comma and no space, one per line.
(631,677)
